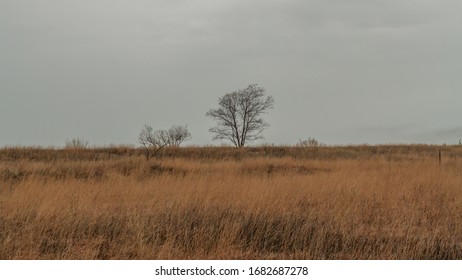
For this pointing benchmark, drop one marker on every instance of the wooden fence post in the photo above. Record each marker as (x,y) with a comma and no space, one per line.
(439,156)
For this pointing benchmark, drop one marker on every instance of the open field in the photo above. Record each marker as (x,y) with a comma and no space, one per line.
(361,202)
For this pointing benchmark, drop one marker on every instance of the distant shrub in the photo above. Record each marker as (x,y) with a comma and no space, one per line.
(153,141)
(310,142)
(76,143)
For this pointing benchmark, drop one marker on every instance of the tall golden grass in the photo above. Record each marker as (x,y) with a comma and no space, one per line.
(361,202)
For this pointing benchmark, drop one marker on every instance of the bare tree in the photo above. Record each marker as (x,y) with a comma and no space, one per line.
(177,134)
(239,115)
(153,141)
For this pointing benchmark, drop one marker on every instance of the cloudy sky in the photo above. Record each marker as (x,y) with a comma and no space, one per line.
(344,72)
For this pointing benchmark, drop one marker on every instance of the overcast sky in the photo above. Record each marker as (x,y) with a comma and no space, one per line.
(344,72)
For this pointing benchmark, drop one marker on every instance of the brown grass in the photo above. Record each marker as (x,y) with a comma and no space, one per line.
(362,202)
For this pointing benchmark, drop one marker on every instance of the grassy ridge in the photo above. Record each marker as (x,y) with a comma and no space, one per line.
(326,152)
(362,202)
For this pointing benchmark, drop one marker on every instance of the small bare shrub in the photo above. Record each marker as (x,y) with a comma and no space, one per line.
(76,143)
(153,141)
(310,142)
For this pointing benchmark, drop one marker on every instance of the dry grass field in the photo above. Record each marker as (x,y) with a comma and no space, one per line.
(361,202)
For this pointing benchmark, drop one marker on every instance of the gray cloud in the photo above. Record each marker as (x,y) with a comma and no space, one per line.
(101,69)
